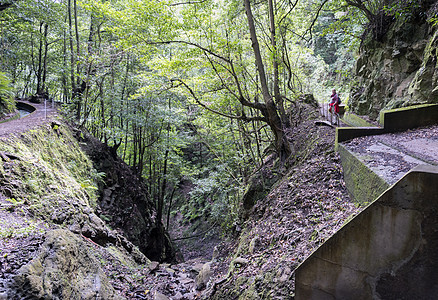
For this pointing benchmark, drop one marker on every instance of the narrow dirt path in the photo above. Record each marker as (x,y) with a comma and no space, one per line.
(43,113)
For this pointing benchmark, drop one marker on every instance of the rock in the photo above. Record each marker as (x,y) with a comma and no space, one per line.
(215,253)
(63,269)
(400,71)
(186,281)
(159,296)
(170,271)
(194,271)
(253,244)
(153,266)
(75,228)
(241,261)
(203,276)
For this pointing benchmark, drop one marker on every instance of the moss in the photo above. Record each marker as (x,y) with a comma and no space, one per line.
(7,103)
(355,121)
(123,258)
(52,175)
(19,228)
(363,185)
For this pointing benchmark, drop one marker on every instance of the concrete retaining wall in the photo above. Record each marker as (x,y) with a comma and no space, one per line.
(362,183)
(25,106)
(348,133)
(402,119)
(393,120)
(389,251)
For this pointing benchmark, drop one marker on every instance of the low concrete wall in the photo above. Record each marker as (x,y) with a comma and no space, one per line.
(405,118)
(348,133)
(362,183)
(25,106)
(355,121)
(386,252)
(393,120)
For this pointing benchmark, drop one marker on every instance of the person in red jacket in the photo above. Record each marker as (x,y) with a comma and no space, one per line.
(334,102)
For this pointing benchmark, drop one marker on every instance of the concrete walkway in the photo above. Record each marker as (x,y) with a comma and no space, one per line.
(391,156)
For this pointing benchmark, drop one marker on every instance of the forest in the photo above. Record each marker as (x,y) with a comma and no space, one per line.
(195,91)
(197,97)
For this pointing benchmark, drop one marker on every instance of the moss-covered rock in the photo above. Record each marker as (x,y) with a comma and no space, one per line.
(399,71)
(51,176)
(64,268)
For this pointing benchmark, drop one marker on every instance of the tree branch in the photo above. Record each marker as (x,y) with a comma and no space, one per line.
(242,118)
(188,2)
(314,19)
(190,44)
(360,5)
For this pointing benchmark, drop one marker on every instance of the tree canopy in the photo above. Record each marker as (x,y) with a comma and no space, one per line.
(183,89)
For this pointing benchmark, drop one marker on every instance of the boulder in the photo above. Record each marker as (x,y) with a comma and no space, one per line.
(203,276)
(63,269)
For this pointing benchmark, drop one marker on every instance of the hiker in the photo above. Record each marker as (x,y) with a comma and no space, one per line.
(334,102)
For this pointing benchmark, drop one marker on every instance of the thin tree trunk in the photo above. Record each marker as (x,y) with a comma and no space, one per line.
(72,52)
(277,95)
(160,203)
(46,46)
(170,207)
(40,60)
(78,44)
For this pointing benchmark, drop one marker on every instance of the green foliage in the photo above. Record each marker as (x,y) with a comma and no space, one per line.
(402,9)
(7,103)
(131,58)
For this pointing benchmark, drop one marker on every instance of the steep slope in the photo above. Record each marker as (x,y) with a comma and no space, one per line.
(53,241)
(124,203)
(304,208)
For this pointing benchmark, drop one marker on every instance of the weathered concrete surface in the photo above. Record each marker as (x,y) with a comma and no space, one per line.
(387,252)
(388,156)
(362,183)
(355,121)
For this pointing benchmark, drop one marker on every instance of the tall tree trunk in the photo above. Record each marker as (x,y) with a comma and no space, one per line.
(78,43)
(40,60)
(270,112)
(72,52)
(46,46)
(277,96)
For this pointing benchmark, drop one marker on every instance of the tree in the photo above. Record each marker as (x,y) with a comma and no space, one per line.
(269,109)
(374,11)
